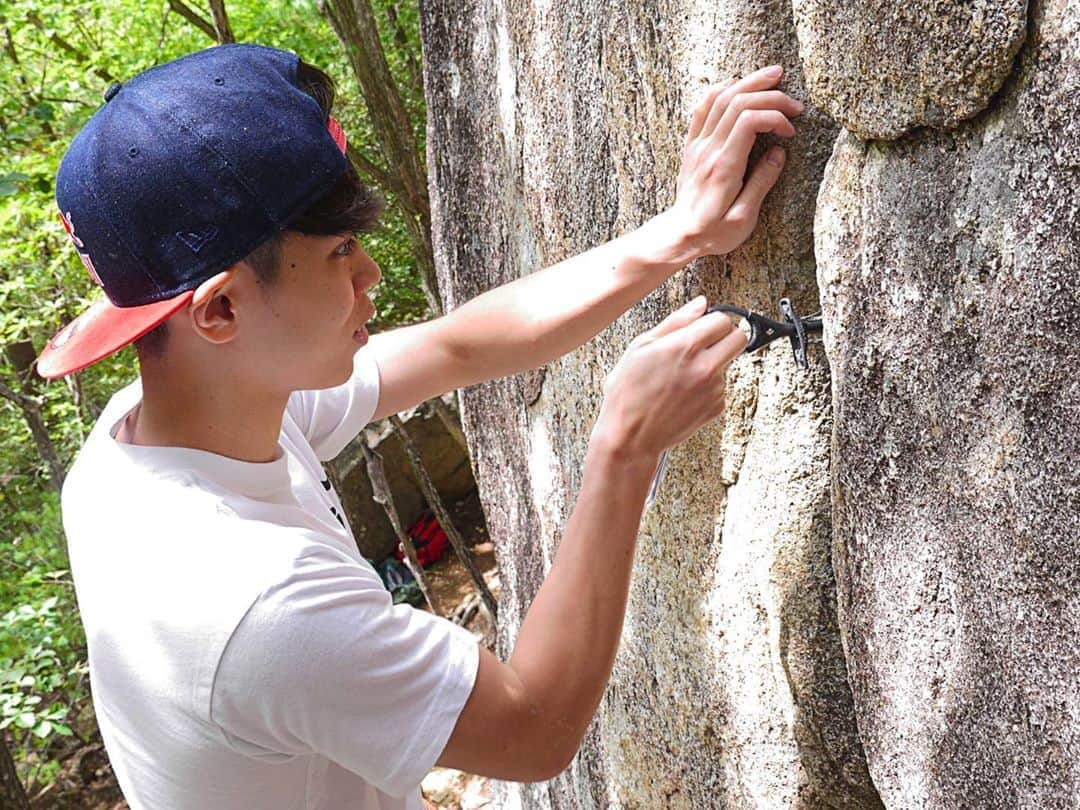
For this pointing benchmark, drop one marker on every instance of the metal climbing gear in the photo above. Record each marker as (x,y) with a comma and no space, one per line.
(764,331)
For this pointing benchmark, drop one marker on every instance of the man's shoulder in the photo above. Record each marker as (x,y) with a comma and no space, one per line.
(179,551)
(91,467)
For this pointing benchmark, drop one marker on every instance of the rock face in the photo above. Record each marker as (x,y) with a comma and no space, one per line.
(552,128)
(950,272)
(930,463)
(882,68)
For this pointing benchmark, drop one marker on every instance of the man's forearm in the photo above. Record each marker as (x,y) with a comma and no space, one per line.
(542,316)
(566,647)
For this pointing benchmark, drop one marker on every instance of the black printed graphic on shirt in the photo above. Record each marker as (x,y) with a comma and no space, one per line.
(333,510)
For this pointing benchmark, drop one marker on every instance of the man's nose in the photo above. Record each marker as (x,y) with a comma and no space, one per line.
(368,274)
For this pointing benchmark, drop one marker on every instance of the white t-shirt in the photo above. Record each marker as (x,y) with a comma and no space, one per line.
(243,654)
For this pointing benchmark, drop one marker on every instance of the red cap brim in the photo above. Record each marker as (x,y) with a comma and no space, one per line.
(100,331)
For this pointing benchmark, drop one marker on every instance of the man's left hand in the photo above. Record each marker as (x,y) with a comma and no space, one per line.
(715,207)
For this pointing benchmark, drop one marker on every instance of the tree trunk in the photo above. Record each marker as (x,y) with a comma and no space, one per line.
(21,356)
(354,23)
(12,795)
(949,262)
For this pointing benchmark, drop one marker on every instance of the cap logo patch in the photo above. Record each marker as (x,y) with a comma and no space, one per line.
(85,257)
(337,133)
(196,240)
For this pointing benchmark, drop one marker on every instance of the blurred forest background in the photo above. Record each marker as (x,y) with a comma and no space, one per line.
(57,60)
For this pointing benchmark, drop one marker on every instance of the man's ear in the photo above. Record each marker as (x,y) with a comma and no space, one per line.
(212,312)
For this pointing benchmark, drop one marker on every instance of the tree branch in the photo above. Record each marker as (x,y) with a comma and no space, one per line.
(221,22)
(381,494)
(450,421)
(9,48)
(22,400)
(193,17)
(401,37)
(20,76)
(61,43)
(378,175)
(431,495)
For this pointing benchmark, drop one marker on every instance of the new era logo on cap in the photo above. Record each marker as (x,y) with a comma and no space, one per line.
(197,239)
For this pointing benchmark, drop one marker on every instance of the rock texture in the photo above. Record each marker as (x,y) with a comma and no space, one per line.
(883,68)
(950,275)
(552,128)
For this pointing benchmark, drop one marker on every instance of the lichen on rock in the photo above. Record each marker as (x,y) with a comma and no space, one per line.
(882,68)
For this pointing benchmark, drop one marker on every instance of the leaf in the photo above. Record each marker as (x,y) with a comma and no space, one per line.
(44,112)
(9,183)
(43,729)
(26,720)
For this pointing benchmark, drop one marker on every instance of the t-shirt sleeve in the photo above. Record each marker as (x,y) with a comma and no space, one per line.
(324,663)
(331,417)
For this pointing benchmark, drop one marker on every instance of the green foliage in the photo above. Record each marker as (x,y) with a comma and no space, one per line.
(398,296)
(42,650)
(58,59)
(33,668)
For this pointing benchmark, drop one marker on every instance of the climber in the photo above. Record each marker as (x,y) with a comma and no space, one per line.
(242,653)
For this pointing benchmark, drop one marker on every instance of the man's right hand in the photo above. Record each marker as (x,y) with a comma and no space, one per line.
(669,383)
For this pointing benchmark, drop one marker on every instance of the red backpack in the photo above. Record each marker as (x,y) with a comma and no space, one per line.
(428,537)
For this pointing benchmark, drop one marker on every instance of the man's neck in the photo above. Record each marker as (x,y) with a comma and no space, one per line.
(221,419)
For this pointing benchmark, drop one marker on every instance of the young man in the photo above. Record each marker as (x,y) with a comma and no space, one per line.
(242,653)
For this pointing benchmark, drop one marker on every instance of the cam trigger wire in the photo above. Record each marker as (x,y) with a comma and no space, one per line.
(763,331)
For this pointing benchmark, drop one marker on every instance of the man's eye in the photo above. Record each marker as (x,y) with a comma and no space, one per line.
(346,247)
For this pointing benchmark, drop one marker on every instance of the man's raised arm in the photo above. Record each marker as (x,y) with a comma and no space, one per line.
(524,719)
(542,316)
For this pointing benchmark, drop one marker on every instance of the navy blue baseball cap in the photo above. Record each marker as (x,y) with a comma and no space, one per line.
(184,171)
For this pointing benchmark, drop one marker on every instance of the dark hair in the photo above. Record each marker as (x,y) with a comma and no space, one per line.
(349,207)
